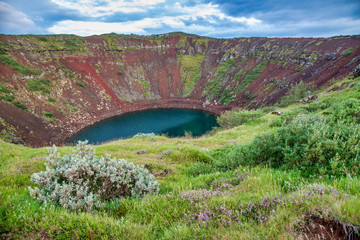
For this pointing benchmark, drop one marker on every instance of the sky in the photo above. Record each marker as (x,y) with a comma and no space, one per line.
(212,18)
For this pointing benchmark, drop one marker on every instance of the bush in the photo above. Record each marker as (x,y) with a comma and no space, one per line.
(296,93)
(234,118)
(83,181)
(347,110)
(308,143)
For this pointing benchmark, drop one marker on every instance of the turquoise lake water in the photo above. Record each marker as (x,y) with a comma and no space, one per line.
(172,122)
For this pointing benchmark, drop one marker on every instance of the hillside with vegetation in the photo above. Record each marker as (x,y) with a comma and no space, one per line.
(52,86)
(285,171)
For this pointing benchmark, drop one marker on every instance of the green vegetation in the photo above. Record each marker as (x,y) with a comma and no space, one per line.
(52,100)
(251,76)
(20,105)
(190,71)
(264,177)
(83,181)
(71,107)
(49,115)
(9,61)
(347,52)
(227,96)
(39,84)
(74,44)
(296,93)
(237,117)
(4,47)
(7,95)
(69,73)
(81,84)
(250,104)
(213,87)
(268,87)
(249,96)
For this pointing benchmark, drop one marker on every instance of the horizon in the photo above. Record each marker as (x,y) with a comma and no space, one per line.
(168,33)
(207,18)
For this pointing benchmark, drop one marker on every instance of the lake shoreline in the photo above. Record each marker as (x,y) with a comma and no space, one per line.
(61,129)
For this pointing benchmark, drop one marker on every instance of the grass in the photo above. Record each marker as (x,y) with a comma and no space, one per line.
(7,95)
(251,76)
(233,200)
(39,84)
(9,61)
(213,87)
(190,71)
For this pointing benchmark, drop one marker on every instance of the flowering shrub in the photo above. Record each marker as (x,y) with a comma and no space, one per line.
(82,181)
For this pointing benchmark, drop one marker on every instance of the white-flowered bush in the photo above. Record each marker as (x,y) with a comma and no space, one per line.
(84,181)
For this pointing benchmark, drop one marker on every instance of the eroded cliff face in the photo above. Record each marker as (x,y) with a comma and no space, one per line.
(52,86)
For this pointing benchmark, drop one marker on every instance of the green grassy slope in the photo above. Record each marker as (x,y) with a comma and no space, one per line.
(196,201)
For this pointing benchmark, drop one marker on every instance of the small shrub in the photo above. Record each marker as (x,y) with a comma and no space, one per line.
(120,73)
(234,118)
(84,181)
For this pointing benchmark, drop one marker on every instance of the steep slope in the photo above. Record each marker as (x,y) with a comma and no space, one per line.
(68,82)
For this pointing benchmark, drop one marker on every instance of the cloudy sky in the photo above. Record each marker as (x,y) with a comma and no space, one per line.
(214,18)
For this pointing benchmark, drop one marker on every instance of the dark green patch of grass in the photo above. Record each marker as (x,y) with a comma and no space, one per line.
(9,61)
